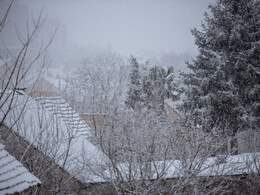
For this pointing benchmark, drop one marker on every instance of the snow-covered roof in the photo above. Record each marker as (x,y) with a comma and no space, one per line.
(56,130)
(14,177)
(199,167)
(53,127)
(46,81)
(60,108)
(220,165)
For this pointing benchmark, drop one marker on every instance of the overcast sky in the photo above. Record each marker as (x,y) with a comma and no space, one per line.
(128,26)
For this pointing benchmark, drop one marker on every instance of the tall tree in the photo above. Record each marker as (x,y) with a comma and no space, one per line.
(223,88)
(134,92)
(157,85)
(98,82)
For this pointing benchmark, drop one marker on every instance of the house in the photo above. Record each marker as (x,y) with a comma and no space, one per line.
(50,127)
(57,132)
(13,77)
(91,114)
(42,87)
(94,120)
(14,177)
(51,174)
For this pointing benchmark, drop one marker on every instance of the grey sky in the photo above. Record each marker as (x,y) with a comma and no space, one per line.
(128,26)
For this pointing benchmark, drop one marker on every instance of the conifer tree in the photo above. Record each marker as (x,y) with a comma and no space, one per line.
(158,85)
(134,92)
(223,88)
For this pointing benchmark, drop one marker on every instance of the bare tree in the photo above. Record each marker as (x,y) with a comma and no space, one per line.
(148,154)
(99,82)
(34,138)
(16,70)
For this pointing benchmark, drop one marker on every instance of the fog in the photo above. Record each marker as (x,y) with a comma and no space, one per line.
(127,27)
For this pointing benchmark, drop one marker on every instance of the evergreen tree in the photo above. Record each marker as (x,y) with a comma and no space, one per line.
(223,88)
(134,92)
(158,84)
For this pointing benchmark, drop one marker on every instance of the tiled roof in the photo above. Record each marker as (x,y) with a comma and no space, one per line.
(52,123)
(60,108)
(14,177)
